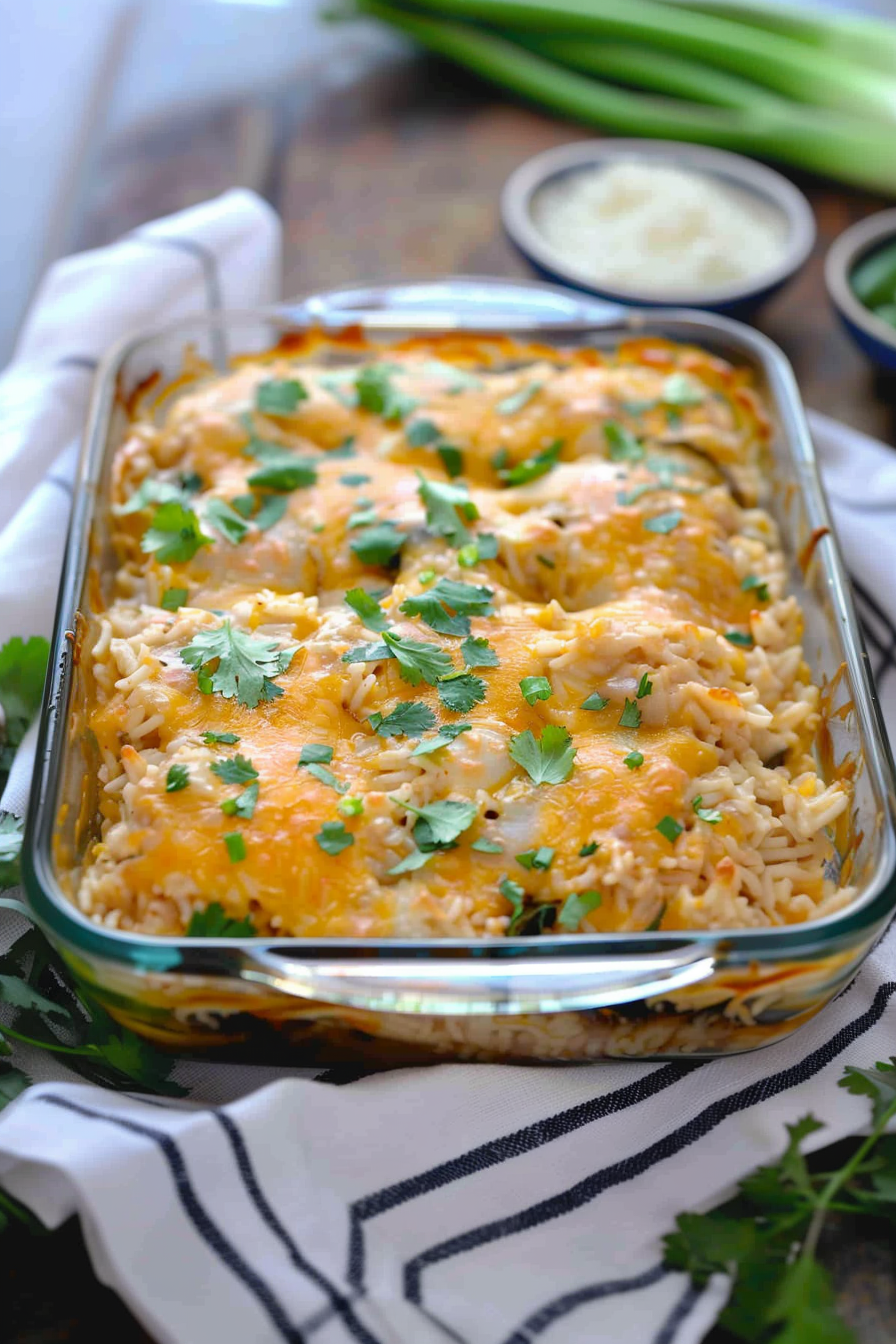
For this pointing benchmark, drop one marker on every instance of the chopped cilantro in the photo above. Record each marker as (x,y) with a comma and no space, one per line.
(631,715)
(483,547)
(284,473)
(214,922)
(354,478)
(670,829)
(178,778)
(664,522)
(362,517)
(336,383)
(514,893)
(517,400)
(710,814)
(484,846)
(478,653)
(377,393)
(595,701)
(244,505)
(457,378)
(421,432)
(680,390)
(452,459)
(546,561)
(173,599)
(533,467)
(234,770)
(645,686)
(743,641)
(271,510)
(236,846)
(350,807)
(279,396)
(320,772)
(548,760)
(225,739)
(345,449)
(379,544)
(622,445)
(440,823)
(175,534)
(446,735)
(753,584)
(367,609)
(315,753)
(23,670)
(576,906)
(536,858)
(460,691)
(464,599)
(333,838)
(367,653)
(446,506)
(633,760)
(587,850)
(411,862)
(408,719)
(418,660)
(243,805)
(244,664)
(153,491)
(536,688)
(226,520)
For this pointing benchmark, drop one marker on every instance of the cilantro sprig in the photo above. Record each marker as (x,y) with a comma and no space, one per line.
(175,534)
(546,760)
(237,665)
(447,606)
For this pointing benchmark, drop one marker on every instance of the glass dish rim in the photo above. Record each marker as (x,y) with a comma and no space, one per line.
(142,952)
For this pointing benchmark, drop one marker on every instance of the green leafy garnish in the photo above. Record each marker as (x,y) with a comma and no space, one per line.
(23,670)
(631,715)
(526,920)
(457,378)
(284,473)
(587,850)
(244,665)
(234,770)
(460,691)
(664,523)
(353,478)
(710,814)
(546,561)
(154,491)
(333,838)
(541,858)
(367,653)
(279,396)
(484,846)
(595,701)
(439,824)
(463,599)
(533,467)
(421,432)
(517,400)
(452,459)
(743,641)
(377,393)
(225,739)
(350,807)
(443,738)
(243,805)
(364,516)
(478,653)
(446,507)
(483,547)
(378,544)
(670,829)
(177,778)
(548,760)
(536,688)
(411,862)
(417,660)
(633,760)
(270,511)
(175,534)
(173,599)
(622,445)
(226,520)
(367,609)
(645,686)
(680,390)
(236,846)
(315,753)
(214,922)
(325,776)
(576,906)
(753,584)
(408,719)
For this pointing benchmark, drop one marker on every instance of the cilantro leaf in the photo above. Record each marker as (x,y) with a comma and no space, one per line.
(225,739)
(325,776)
(536,688)
(548,760)
(532,467)
(461,691)
(622,445)
(463,599)
(315,753)
(526,920)
(536,858)
(546,561)
(710,814)
(645,686)
(226,520)
(175,534)
(418,660)
(680,390)
(669,828)
(805,1306)
(576,906)
(333,838)
(245,664)
(214,922)
(243,805)
(411,862)
(377,393)
(367,653)
(234,770)
(279,396)
(452,459)
(440,823)
(271,510)
(664,523)
(517,400)
(354,478)
(484,846)
(23,670)
(595,701)
(446,735)
(743,641)
(588,849)
(367,609)
(422,432)
(446,505)
(283,473)
(153,491)
(173,599)
(753,584)
(483,547)
(178,778)
(378,544)
(408,719)
(878,1083)
(478,653)
(631,715)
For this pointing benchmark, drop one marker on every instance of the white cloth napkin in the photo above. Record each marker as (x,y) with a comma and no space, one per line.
(481,1204)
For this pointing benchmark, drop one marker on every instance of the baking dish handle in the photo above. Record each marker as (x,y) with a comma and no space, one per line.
(481,985)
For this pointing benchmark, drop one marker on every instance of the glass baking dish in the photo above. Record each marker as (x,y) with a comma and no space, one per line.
(380,1001)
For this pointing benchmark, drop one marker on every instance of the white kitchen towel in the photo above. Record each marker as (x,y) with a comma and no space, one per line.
(482,1204)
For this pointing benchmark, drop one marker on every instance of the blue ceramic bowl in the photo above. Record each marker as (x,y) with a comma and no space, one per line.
(871,334)
(734,170)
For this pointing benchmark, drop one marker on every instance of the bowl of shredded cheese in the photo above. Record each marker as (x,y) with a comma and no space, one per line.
(654,222)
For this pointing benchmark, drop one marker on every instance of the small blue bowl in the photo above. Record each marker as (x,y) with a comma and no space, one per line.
(871,334)
(734,170)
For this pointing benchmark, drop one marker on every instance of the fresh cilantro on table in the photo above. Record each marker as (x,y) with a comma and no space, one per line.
(244,664)
(517,400)
(333,838)
(175,534)
(536,688)
(536,858)
(548,760)
(532,467)
(234,770)
(178,778)
(376,392)
(367,609)
(23,670)
(408,719)
(279,396)
(243,805)
(576,906)
(443,738)
(418,660)
(622,445)
(379,543)
(460,691)
(214,922)
(477,652)
(439,824)
(450,596)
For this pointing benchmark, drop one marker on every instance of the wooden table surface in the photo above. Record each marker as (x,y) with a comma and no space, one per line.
(395,173)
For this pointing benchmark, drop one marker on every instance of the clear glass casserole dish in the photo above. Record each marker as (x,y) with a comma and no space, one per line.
(650,994)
